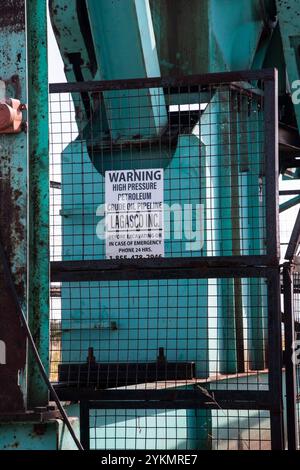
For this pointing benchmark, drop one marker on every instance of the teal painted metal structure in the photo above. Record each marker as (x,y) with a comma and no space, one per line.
(115,27)
(135,57)
(288,15)
(51,435)
(194,154)
(224,33)
(26,239)
(227,39)
(38,289)
(24,231)
(185,159)
(158,35)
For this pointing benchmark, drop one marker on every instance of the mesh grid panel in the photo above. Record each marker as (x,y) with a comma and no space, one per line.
(153,333)
(180,429)
(210,144)
(114,332)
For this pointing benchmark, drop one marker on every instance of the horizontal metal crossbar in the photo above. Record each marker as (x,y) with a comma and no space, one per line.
(155,399)
(163,268)
(204,79)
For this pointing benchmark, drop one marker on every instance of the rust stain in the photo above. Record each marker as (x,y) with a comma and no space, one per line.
(12,219)
(14,17)
(11,330)
(17,193)
(39,429)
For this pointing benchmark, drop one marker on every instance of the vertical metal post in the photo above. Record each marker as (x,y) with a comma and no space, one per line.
(271,166)
(290,370)
(275,360)
(38,294)
(236,242)
(273,252)
(226,292)
(85,424)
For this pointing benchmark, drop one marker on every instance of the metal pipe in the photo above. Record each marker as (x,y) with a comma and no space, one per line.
(294,240)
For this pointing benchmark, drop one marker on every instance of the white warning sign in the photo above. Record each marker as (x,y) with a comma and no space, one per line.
(134,214)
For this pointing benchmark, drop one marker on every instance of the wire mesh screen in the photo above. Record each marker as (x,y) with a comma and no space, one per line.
(158,172)
(160,333)
(183,171)
(180,429)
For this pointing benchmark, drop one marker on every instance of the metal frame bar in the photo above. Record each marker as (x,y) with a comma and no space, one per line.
(290,370)
(275,359)
(294,240)
(289,192)
(228,399)
(179,404)
(72,270)
(214,399)
(190,80)
(159,268)
(205,267)
(85,424)
(38,266)
(289,204)
(272,166)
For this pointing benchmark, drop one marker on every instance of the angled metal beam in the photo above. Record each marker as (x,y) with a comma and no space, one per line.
(289,137)
(294,240)
(289,192)
(289,204)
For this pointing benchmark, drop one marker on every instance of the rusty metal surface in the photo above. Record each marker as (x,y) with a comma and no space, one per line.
(13,208)
(25,433)
(12,15)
